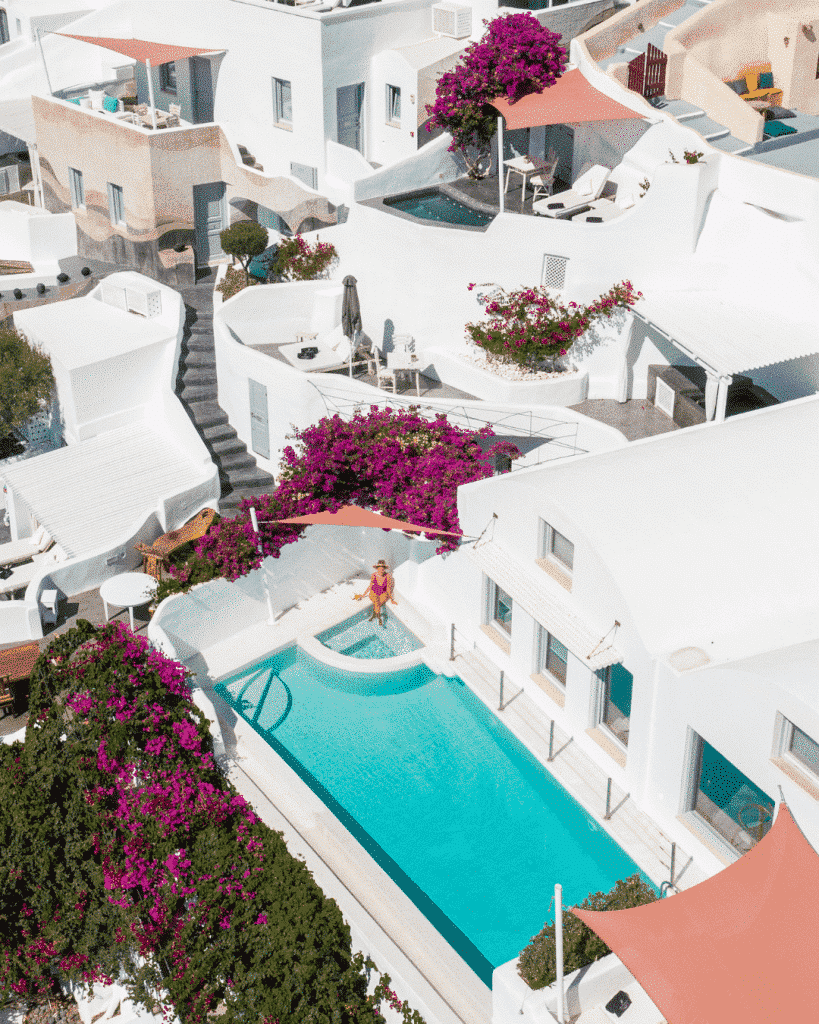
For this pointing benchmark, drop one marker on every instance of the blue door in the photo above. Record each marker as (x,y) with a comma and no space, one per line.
(209,212)
(349,103)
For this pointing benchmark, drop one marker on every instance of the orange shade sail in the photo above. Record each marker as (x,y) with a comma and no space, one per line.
(143,50)
(352,515)
(571,100)
(737,947)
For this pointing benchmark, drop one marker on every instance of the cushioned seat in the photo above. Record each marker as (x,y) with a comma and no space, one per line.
(773,129)
(755,83)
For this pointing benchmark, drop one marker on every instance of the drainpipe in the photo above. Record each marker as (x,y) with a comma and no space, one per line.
(151,94)
(500,165)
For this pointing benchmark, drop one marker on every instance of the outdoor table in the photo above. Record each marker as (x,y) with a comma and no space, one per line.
(523,166)
(127,590)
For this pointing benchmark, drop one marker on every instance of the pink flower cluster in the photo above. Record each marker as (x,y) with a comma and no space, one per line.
(528,325)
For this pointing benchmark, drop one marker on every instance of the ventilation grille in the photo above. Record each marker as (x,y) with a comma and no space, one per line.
(453,20)
(664,398)
(146,303)
(554,272)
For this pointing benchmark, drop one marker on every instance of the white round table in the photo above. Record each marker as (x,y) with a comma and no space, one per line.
(128,590)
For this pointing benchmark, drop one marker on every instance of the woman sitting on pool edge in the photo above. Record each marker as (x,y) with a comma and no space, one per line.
(380,590)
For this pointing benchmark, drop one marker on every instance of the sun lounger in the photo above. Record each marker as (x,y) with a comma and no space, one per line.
(583,193)
(22,575)
(17,551)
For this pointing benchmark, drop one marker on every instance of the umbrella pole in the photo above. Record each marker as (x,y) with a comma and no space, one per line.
(352,346)
(271,618)
(151,94)
(501,196)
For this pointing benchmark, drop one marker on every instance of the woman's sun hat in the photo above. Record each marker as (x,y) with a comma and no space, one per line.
(379,563)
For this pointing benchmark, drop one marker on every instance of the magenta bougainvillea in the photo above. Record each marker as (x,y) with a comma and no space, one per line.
(517,56)
(530,325)
(398,462)
(299,260)
(120,837)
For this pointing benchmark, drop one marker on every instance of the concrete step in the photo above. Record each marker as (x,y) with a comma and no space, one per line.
(218,433)
(199,357)
(199,343)
(198,392)
(237,461)
(200,375)
(250,477)
(227,446)
(207,414)
(229,502)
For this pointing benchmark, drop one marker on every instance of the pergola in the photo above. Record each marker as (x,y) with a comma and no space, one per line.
(571,100)
(737,947)
(146,52)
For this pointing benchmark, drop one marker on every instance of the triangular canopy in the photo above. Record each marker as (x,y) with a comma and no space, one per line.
(352,515)
(570,100)
(143,50)
(737,947)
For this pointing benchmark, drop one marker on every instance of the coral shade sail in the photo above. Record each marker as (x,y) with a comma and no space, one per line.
(571,100)
(737,947)
(352,515)
(143,50)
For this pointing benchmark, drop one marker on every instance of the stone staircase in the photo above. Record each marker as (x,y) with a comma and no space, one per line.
(714,133)
(196,388)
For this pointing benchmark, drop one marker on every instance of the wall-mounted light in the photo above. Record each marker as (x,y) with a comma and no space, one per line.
(412,98)
(807,31)
(787,40)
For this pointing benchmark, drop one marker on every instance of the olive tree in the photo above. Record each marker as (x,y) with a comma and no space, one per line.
(244,240)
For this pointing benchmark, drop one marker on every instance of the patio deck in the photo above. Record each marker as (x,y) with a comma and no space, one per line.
(483,194)
(635,419)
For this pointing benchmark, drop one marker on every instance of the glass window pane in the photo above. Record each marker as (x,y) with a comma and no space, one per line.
(617,702)
(805,749)
(556,658)
(739,810)
(562,549)
(284,105)
(503,609)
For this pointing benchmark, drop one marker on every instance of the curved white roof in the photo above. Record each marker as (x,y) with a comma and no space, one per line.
(710,533)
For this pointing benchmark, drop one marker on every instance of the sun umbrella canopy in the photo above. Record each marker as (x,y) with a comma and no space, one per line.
(352,515)
(736,947)
(350,307)
(143,50)
(571,100)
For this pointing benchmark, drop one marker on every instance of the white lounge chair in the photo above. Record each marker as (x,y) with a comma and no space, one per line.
(609,208)
(585,190)
(17,551)
(333,352)
(22,575)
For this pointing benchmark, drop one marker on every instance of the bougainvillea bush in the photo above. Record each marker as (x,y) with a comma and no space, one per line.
(406,466)
(126,854)
(298,260)
(529,325)
(517,56)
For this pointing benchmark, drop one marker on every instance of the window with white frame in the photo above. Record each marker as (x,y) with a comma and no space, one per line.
(282,103)
(795,746)
(167,77)
(724,798)
(76,187)
(614,701)
(116,204)
(500,608)
(4,27)
(557,547)
(553,657)
(394,105)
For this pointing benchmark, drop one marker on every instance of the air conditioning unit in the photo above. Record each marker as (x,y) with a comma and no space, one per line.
(143,301)
(453,20)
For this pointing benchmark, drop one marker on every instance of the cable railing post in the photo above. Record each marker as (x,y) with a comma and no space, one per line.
(551,740)
(608,801)
(452,642)
(500,706)
(673,859)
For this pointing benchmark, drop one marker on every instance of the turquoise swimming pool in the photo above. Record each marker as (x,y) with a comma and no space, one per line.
(358,637)
(460,815)
(432,204)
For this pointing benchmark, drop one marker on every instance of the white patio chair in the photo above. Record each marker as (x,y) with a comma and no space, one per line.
(585,190)
(544,180)
(383,373)
(174,113)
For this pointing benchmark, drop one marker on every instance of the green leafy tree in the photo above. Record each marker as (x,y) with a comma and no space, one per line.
(244,240)
(538,964)
(26,379)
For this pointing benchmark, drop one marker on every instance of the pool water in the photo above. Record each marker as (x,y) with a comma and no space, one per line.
(434,205)
(359,638)
(458,812)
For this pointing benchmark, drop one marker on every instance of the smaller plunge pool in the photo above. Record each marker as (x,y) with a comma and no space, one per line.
(432,204)
(357,637)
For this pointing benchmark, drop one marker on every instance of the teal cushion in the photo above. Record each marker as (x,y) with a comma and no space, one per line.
(109,104)
(775,128)
(76,100)
(766,80)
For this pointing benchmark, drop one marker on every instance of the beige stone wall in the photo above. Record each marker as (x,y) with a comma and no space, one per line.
(157,171)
